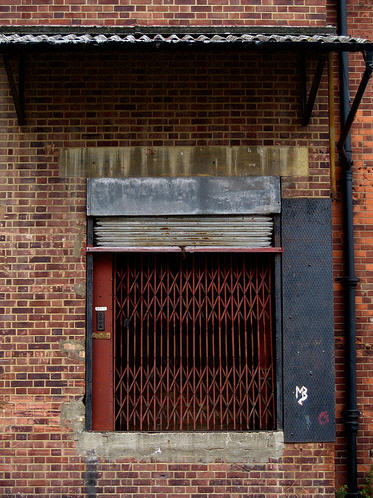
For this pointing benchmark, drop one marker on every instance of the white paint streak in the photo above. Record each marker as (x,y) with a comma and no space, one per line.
(301,391)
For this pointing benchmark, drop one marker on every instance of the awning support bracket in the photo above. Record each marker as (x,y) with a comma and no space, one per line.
(15,73)
(308,103)
(368,57)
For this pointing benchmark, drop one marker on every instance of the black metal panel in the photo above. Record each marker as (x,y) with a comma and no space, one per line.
(308,339)
(278,322)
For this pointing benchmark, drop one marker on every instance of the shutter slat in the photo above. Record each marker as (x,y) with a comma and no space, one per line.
(230,231)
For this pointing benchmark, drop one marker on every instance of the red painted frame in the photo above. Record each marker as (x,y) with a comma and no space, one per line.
(102,348)
(191,249)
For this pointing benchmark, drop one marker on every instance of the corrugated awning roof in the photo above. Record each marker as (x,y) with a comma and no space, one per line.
(17,41)
(216,38)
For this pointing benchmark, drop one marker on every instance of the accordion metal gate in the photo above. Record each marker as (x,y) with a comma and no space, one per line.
(193,342)
(182,304)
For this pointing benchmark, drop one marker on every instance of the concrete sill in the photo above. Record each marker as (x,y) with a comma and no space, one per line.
(198,447)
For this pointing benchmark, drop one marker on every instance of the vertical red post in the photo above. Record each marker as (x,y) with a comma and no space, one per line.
(102,345)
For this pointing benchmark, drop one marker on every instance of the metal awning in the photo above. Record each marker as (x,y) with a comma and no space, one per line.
(323,42)
(270,37)
(17,41)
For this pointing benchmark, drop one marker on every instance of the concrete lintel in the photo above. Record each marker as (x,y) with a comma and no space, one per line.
(203,447)
(116,162)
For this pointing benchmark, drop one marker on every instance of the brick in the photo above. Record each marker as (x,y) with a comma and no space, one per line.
(155,98)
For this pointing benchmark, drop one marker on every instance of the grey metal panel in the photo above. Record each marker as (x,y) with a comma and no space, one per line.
(308,336)
(234,231)
(183,196)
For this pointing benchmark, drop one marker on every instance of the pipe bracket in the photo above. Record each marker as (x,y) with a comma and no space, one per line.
(351,418)
(350,281)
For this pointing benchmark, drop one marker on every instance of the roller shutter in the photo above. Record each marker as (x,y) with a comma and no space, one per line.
(161,231)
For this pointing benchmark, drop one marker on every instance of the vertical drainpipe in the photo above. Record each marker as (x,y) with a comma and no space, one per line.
(351,413)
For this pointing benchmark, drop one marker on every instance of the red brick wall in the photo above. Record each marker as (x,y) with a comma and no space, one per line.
(142,98)
(162,98)
(148,98)
(158,12)
(360,15)
(45,471)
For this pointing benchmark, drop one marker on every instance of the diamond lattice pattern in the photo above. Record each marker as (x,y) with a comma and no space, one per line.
(193,342)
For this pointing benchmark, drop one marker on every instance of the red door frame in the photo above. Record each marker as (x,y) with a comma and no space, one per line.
(102,345)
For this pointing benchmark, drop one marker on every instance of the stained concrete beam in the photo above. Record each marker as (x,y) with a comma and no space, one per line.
(202,447)
(115,162)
